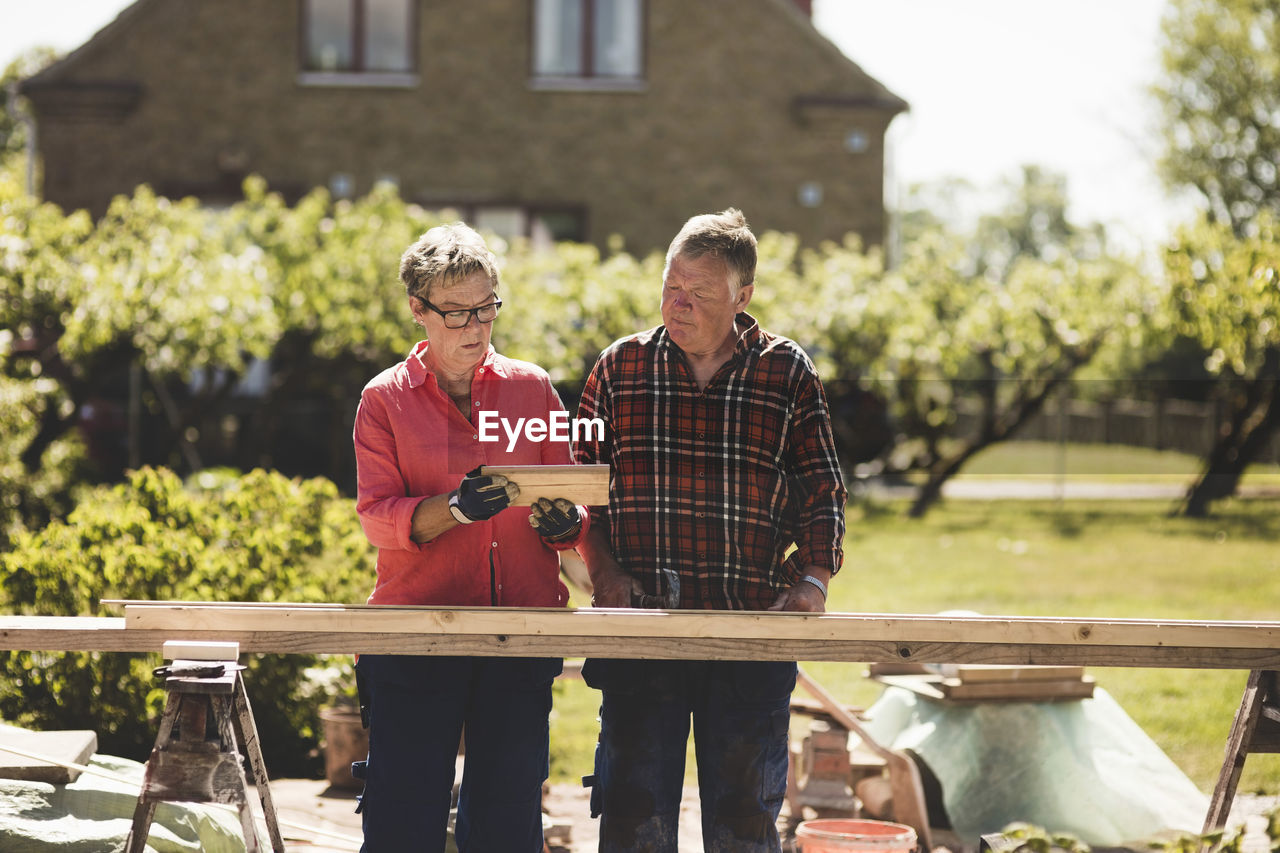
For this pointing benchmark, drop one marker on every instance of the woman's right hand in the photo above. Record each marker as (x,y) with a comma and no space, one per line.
(481,497)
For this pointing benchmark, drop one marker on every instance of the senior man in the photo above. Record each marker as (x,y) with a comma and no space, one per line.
(722,457)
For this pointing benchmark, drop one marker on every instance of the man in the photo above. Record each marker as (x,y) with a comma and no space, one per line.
(722,457)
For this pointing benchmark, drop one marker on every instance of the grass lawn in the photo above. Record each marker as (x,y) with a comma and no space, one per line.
(1085,559)
(1098,462)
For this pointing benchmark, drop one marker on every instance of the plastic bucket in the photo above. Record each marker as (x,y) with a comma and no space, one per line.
(837,835)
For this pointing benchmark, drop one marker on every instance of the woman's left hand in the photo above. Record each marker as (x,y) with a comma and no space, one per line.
(555,521)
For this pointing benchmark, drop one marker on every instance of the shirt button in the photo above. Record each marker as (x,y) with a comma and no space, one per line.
(700,473)
(475,437)
(702,435)
(495,544)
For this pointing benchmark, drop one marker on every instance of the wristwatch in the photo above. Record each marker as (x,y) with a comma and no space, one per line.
(456,511)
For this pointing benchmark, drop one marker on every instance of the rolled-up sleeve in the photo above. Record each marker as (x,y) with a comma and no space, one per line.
(385,511)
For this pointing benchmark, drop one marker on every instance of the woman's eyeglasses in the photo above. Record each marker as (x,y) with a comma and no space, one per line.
(459,318)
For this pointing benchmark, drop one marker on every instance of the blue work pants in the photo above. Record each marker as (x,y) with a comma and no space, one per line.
(419,706)
(740,712)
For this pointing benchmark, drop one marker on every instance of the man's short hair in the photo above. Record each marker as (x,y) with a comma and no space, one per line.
(444,255)
(724,235)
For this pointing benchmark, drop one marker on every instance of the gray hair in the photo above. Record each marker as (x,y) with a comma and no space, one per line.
(724,235)
(444,255)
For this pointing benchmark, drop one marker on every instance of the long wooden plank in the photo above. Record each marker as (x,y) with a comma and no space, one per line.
(596,622)
(587,485)
(110,634)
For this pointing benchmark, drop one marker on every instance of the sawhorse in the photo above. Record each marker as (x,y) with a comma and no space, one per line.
(201,767)
(1256,729)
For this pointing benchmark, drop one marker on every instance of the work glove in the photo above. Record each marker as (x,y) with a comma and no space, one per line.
(556,521)
(479,497)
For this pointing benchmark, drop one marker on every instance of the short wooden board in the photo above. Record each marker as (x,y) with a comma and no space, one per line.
(972,673)
(74,746)
(586,485)
(952,690)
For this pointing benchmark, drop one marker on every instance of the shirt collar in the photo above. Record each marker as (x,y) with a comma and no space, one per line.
(744,326)
(418,372)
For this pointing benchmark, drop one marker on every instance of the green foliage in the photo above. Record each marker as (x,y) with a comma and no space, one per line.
(1220,98)
(13,133)
(222,537)
(1221,841)
(1035,839)
(1226,292)
(29,501)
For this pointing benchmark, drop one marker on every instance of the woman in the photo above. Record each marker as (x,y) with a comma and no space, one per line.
(447,536)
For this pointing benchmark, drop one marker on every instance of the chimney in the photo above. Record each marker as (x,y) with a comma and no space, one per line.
(805,6)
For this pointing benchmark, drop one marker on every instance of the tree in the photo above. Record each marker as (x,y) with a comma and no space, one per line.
(13,133)
(1220,100)
(1226,292)
(155,285)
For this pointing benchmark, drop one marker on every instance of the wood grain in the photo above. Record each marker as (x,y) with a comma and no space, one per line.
(717,624)
(587,485)
(558,633)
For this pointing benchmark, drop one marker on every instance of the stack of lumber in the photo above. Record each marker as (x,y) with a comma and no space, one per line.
(991,683)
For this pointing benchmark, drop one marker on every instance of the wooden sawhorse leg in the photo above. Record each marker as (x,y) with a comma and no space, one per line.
(196,768)
(1256,729)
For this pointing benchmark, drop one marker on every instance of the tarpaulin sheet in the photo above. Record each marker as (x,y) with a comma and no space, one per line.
(1083,767)
(93,815)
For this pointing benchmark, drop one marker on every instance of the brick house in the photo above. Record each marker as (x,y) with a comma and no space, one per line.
(572,119)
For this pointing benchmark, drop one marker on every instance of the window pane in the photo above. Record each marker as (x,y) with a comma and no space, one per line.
(506,222)
(617,38)
(329,27)
(557,38)
(387,38)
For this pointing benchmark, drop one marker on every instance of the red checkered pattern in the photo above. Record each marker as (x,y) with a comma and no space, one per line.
(716,484)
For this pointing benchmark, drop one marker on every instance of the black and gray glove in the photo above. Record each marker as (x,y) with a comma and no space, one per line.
(555,521)
(479,497)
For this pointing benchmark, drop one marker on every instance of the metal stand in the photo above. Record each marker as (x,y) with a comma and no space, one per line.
(1256,729)
(199,766)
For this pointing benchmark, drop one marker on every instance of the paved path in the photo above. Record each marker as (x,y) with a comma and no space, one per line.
(1041,488)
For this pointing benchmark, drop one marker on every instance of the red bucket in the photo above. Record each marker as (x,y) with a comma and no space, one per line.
(836,835)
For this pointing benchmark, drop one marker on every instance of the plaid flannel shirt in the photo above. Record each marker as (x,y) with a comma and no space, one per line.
(716,484)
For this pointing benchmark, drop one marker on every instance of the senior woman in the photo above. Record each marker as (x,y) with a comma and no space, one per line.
(448,536)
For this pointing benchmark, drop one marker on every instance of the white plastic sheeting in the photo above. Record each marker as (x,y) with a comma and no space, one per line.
(93,814)
(1082,767)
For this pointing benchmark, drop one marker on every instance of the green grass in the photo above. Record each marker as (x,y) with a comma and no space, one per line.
(1089,559)
(1102,462)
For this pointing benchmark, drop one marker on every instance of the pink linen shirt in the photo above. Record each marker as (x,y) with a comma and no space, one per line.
(411,443)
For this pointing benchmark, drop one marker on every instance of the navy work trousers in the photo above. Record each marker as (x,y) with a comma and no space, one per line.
(740,712)
(418,708)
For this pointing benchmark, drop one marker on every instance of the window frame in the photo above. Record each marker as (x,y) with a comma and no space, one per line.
(358,74)
(589,79)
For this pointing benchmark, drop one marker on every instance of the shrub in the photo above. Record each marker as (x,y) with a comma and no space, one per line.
(220,537)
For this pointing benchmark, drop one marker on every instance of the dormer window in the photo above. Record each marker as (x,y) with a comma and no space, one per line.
(599,40)
(342,37)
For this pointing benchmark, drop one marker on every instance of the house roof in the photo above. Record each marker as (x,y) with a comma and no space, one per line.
(870,91)
(54,72)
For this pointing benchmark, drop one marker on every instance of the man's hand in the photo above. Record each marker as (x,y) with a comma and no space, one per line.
(804,597)
(614,588)
(556,521)
(481,497)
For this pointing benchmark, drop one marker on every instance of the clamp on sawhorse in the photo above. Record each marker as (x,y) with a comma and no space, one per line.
(1256,729)
(197,765)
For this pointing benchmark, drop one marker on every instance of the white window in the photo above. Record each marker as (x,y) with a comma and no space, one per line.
(588,38)
(358,35)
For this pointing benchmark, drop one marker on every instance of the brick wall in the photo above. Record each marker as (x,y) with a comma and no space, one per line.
(716,124)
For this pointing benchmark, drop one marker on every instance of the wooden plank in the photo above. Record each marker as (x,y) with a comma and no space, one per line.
(627,622)
(587,485)
(1018,691)
(970,674)
(110,634)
